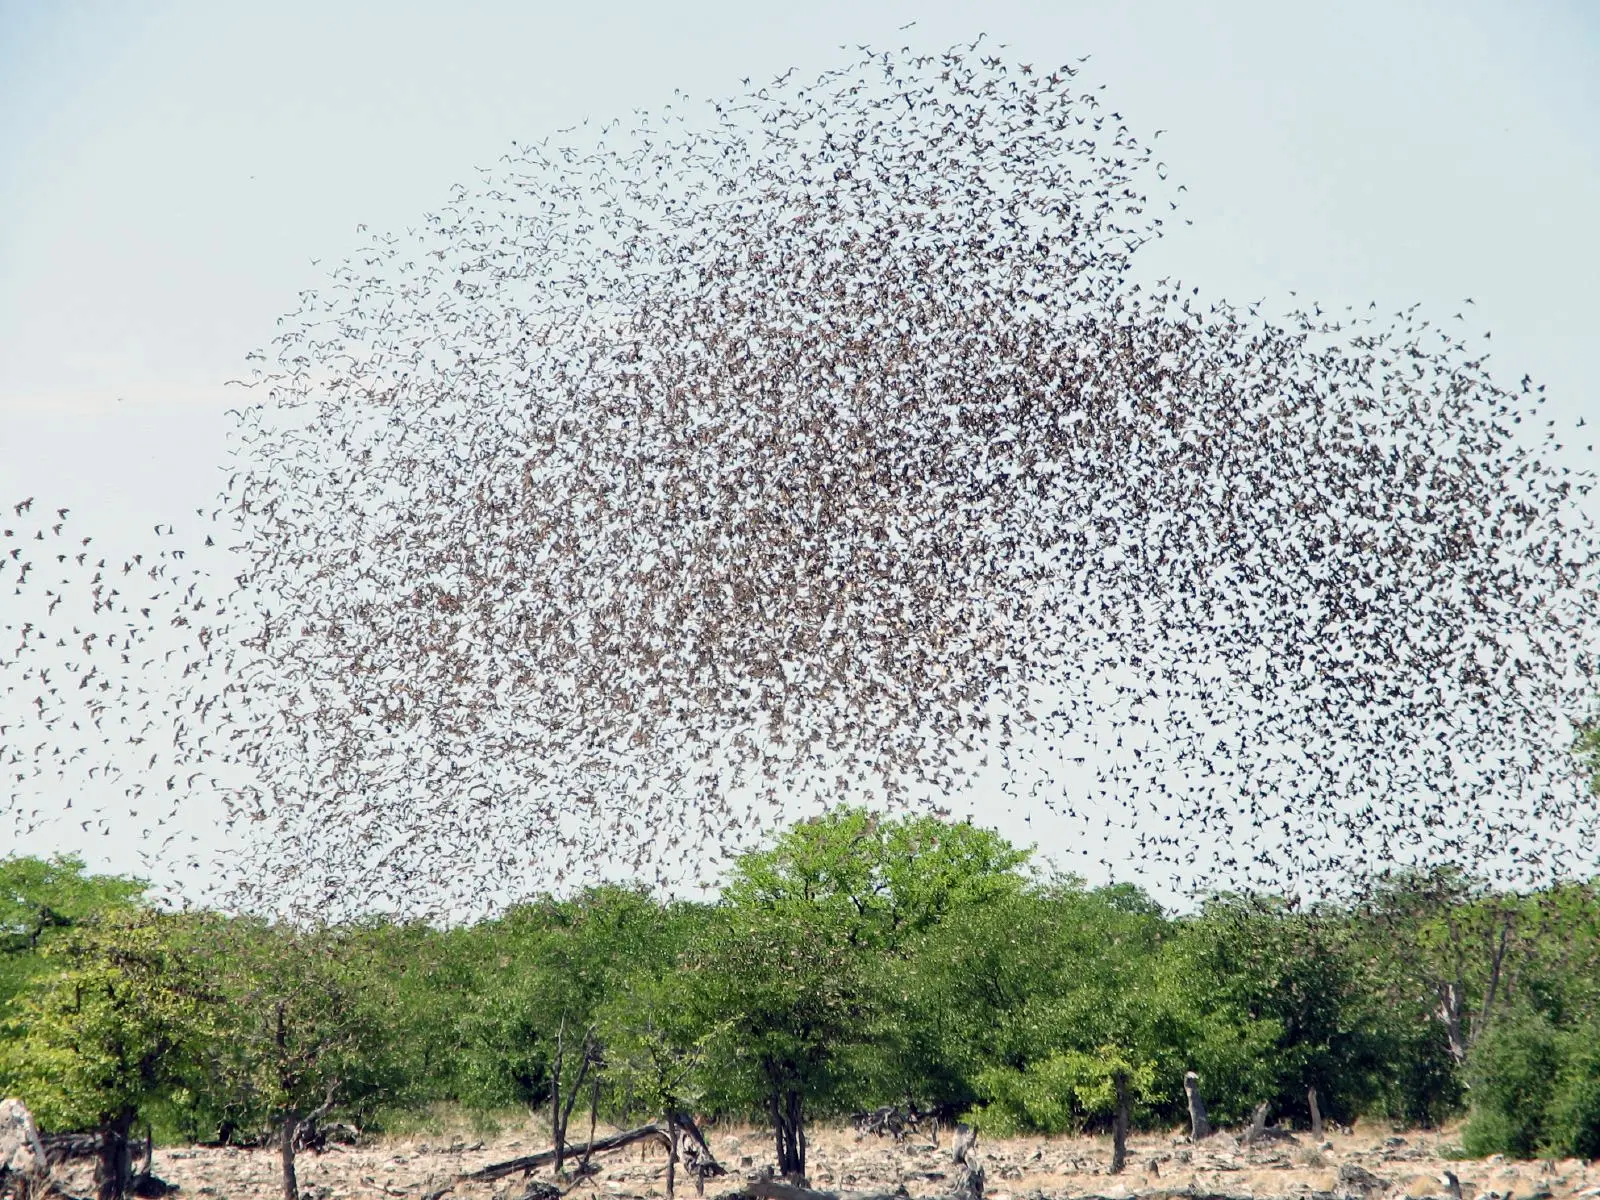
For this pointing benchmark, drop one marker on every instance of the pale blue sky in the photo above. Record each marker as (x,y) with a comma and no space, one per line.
(170,172)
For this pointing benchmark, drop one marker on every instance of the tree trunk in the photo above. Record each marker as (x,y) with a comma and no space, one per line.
(1452,997)
(672,1153)
(594,1113)
(1316,1114)
(286,1136)
(1199,1127)
(788,1127)
(1119,1125)
(561,1111)
(113,1168)
(1258,1125)
(558,1129)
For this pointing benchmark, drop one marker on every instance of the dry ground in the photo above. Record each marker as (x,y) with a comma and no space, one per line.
(1409,1166)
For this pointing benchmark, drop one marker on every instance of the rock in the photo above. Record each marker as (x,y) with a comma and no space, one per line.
(1358,1181)
(21,1152)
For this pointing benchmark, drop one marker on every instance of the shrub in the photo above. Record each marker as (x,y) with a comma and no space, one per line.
(1514,1073)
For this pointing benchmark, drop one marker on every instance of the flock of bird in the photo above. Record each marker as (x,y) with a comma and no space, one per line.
(679,477)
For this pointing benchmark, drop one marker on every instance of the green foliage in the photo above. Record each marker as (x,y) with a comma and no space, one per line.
(1300,977)
(304,1024)
(40,901)
(111,1031)
(1587,748)
(879,881)
(1574,1114)
(1515,1074)
(854,961)
(655,1051)
(784,996)
(1060,1093)
(548,966)
(1536,1089)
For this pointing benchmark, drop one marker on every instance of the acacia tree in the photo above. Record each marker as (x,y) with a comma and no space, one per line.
(110,1034)
(306,1029)
(786,998)
(1457,949)
(796,975)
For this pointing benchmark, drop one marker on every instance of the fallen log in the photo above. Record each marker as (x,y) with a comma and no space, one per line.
(778,1189)
(531,1162)
(62,1147)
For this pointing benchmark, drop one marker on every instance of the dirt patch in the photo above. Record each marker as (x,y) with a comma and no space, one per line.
(1364,1165)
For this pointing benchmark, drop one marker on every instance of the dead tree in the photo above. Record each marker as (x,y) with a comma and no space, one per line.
(1258,1125)
(23,1162)
(969,1185)
(698,1157)
(1199,1127)
(1119,1125)
(561,1112)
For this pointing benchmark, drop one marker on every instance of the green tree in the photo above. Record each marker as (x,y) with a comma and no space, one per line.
(1056,1093)
(110,1034)
(1025,994)
(801,980)
(41,899)
(884,879)
(1299,975)
(784,994)
(307,1028)
(546,971)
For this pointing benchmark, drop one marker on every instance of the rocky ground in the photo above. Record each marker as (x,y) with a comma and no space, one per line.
(1367,1164)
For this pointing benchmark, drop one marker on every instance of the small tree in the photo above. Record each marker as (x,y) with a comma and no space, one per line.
(655,1057)
(110,1034)
(785,999)
(304,1032)
(1059,1093)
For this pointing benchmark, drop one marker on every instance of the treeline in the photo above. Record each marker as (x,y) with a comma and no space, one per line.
(856,961)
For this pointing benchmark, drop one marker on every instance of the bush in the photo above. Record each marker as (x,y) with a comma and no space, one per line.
(1514,1073)
(1574,1116)
(1059,1094)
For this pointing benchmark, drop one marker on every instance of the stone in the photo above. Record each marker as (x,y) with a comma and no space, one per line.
(1358,1181)
(21,1152)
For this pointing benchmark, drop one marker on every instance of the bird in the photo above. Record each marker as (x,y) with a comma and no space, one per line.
(829,441)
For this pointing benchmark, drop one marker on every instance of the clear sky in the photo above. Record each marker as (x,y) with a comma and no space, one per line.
(172,173)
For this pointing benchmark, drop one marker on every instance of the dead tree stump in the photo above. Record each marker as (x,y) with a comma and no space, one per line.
(1119,1125)
(1199,1127)
(1258,1125)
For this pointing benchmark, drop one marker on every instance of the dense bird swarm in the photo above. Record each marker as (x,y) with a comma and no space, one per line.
(822,445)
